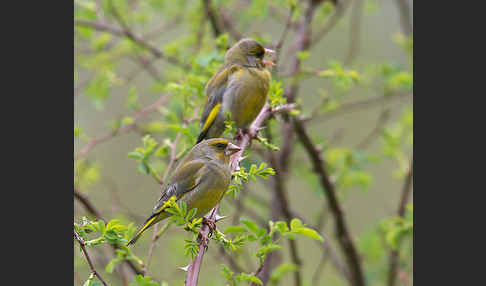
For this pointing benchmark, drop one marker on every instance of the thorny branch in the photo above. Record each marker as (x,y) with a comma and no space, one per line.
(93,270)
(195,265)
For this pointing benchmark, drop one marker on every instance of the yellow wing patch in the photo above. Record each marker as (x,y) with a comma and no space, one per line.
(211,117)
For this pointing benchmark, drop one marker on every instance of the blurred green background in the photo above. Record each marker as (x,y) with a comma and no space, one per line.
(118,186)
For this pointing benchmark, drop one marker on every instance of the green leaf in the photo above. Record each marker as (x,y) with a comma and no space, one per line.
(297,227)
(249,278)
(100,226)
(309,232)
(191,214)
(111,265)
(226,272)
(295,223)
(252,226)
(112,223)
(135,155)
(235,229)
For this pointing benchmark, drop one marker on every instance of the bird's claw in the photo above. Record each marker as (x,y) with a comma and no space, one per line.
(211,224)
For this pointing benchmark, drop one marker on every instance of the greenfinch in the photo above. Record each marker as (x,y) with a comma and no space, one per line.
(240,87)
(200,180)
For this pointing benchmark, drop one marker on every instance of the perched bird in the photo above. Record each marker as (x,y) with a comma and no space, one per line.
(240,87)
(200,180)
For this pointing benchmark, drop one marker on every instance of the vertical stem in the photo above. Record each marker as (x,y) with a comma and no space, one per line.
(394,254)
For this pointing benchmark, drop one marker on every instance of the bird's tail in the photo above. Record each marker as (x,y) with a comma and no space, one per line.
(202,135)
(148,223)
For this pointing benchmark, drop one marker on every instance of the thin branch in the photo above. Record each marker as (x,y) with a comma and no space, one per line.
(164,27)
(151,249)
(151,48)
(142,114)
(231,261)
(375,132)
(148,66)
(90,208)
(213,19)
(355,33)
(356,105)
(328,250)
(129,34)
(173,156)
(405,19)
(229,24)
(394,254)
(339,10)
(281,196)
(87,203)
(288,23)
(342,229)
(200,35)
(113,189)
(93,270)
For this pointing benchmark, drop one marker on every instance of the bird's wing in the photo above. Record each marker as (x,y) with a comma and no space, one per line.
(186,178)
(215,89)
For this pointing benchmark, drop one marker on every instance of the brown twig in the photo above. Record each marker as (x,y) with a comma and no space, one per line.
(342,229)
(142,114)
(93,270)
(339,10)
(173,156)
(229,24)
(129,34)
(405,20)
(213,19)
(355,33)
(151,249)
(164,27)
(83,199)
(148,66)
(374,134)
(394,254)
(288,23)
(356,105)
(232,263)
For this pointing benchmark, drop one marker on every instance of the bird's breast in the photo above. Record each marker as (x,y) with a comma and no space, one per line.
(249,96)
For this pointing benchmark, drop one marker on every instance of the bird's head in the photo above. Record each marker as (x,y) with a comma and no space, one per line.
(217,149)
(248,52)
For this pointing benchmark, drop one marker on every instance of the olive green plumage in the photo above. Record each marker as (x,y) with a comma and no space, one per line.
(240,87)
(200,179)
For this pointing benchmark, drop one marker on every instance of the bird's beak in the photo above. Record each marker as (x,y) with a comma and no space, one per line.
(231,149)
(269,52)
(269,62)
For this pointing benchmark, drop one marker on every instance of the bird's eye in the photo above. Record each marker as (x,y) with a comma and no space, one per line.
(221,145)
(260,54)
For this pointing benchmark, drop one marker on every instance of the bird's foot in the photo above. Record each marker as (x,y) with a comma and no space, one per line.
(211,224)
